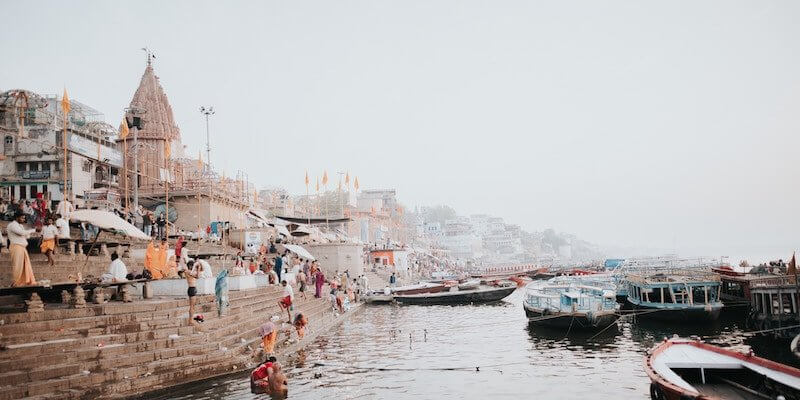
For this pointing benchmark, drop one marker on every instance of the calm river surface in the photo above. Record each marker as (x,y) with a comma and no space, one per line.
(371,357)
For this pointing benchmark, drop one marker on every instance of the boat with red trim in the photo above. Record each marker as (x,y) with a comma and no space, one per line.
(690,369)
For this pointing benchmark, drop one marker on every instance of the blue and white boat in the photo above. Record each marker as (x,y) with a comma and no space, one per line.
(571,305)
(678,296)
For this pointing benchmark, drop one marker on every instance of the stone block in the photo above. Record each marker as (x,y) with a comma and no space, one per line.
(242,282)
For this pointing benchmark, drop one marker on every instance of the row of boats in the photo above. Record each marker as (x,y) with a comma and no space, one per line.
(678,368)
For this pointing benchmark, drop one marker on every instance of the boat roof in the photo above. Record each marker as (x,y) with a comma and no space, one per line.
(688,355)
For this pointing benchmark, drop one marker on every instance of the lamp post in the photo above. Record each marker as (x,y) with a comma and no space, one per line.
(135,123)
(207,111)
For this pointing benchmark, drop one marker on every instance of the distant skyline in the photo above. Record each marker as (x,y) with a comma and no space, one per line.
(669,125)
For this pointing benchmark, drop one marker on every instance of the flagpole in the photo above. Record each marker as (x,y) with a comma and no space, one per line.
(125,167)
(64,145)
(166,186)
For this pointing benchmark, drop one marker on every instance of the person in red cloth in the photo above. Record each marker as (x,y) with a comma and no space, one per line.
(286,301)
(178,251)
(268,378)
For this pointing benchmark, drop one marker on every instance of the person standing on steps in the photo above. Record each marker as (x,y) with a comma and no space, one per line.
(161,222)
(21,270)
(49,235)
(278,267)
(286,301)
(393,280)
(191,280)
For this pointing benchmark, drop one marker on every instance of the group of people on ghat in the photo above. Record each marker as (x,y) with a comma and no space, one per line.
(37,222)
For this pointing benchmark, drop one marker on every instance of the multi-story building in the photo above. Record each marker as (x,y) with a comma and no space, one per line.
(32,127)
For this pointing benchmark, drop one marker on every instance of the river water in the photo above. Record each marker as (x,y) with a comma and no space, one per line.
(431,352)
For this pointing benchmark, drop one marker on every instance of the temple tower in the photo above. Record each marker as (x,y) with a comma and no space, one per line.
(158,126)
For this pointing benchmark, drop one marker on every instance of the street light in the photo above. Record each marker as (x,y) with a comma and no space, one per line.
(136,123)
(207,111)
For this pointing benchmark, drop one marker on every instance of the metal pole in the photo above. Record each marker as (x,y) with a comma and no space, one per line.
(64,144)
(136,167)
(208,143)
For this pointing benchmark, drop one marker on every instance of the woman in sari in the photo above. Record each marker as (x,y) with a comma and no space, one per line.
(320,279)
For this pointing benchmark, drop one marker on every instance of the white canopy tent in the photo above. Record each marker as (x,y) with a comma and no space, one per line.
(300,251)
(108,221)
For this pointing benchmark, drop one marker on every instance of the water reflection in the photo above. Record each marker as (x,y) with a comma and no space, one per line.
(413,352)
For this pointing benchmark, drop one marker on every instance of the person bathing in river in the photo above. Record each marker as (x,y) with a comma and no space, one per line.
(269,335)
(268,378)
(300,322)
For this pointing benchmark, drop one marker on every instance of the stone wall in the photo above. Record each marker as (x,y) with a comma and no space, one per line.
(338,257)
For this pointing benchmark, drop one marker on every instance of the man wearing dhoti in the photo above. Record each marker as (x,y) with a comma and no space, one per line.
(21,270)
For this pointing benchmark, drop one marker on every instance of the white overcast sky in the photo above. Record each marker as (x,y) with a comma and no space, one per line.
(666,124)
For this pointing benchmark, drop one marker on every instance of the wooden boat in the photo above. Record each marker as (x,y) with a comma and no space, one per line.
(419,288)
(736,285)
(689,296)
(470,284)
(378,297)
(689,369)
(479,295)
(569,305)
(773,304)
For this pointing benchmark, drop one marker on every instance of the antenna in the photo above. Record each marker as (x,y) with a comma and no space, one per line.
(150,55)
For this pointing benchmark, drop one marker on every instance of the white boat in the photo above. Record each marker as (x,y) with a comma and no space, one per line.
(690,369)
(569,305)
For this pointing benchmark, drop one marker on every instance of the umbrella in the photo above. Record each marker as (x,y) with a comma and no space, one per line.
(108,221)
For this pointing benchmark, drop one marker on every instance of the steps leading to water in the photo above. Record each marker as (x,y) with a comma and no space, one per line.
(125,348)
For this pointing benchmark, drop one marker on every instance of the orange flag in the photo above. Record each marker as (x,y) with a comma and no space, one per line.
(123,129)
(355,184)
(307,181)
(347,179)
(325,178)
(317,185)
(65,106)
(167,149)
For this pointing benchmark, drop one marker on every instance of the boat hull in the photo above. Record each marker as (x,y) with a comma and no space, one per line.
(676,314)
(575,321)
(421,290)
(458,297)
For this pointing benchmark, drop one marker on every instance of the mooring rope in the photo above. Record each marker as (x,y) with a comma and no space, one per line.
(476,368)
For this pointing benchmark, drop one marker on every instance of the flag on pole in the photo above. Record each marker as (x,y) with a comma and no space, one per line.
(307,181)
(317,185)
(355,184)
(792,268)
(123,129)
(347,179)
(167,149)
(325,178)
(65,106)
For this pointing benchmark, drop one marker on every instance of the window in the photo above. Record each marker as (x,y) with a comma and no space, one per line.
(8,148)
(23,192)
(34,190)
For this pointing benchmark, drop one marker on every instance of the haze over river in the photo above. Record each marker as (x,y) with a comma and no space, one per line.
(370,357)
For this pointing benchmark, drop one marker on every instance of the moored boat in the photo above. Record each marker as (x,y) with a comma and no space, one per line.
(690,296)
(569,305)
(419,288)
(689,369)
(378,297)
(479,295)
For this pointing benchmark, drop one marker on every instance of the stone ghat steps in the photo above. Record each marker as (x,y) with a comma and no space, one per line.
(210,364)
(65,265)
(189,357)
(154,325)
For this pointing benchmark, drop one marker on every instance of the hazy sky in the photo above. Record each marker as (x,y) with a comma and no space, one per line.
(672,123)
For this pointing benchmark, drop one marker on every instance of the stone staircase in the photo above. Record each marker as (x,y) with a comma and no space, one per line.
(116,349)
